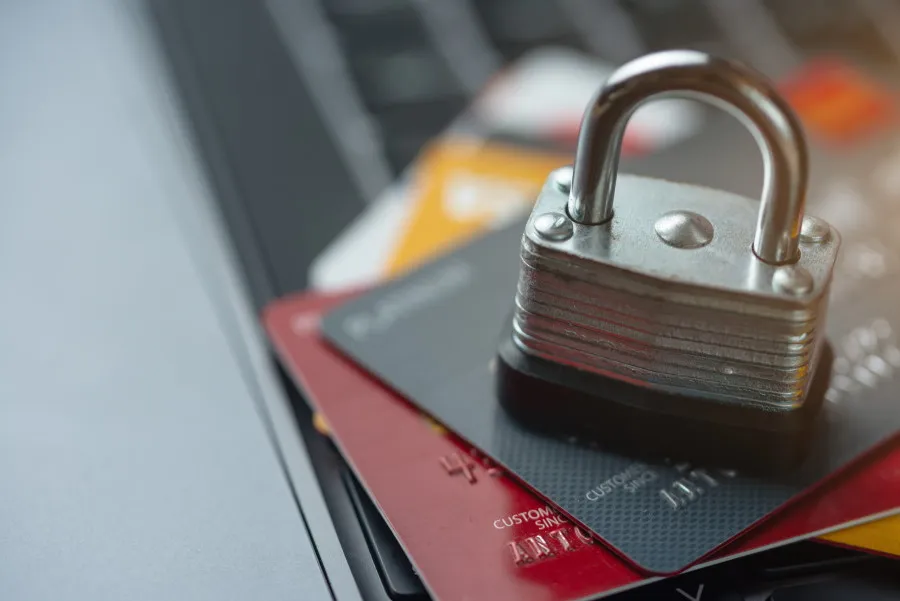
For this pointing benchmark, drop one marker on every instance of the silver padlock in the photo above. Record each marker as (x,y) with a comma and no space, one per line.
(677,301)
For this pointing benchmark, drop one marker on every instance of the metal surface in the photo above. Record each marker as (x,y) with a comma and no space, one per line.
(722,272)
(793,280)
(684,229)
(666,292)
(741,91)
(563,178)
(713,321)
(134,459)
(814,229)
(553,226)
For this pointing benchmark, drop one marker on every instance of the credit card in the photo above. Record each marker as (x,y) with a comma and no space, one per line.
(433,335)
(455,512)
(460,186)
(880,536)
(464,186)
(838,103)
(542,97)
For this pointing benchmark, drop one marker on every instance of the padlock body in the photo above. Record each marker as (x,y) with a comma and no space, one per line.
(618,416)
(705,323)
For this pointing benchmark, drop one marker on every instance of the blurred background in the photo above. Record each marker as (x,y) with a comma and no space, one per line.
(307,111)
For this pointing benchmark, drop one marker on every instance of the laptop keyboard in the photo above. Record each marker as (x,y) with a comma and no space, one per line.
(405,83)
(408,78)
(837,27)
(515,27)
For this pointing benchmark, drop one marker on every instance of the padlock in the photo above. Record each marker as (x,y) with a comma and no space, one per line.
(687,322)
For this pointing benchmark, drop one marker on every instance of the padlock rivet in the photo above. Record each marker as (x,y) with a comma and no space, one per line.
(562,177)
(813,230)
(793,280)
(684,229)
(553,226)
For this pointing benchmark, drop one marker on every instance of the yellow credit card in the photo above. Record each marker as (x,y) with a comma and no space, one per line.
(462,187)
(880,536)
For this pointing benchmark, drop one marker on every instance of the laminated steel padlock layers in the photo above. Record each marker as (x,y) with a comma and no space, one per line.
(643,302)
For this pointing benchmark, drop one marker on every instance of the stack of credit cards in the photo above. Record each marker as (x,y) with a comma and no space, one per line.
(394,351)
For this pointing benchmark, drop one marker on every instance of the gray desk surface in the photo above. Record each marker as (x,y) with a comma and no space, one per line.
(137,407)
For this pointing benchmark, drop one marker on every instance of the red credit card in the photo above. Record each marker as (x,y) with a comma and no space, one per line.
(473,533)
(837,102)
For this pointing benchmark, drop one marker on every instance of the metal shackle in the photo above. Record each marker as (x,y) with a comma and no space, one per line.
(737,89)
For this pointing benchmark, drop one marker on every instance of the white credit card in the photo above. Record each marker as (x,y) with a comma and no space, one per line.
(544,96)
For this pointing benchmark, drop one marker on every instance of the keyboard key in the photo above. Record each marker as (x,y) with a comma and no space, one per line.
(406,128)
(675,24)
(391,30)
(848,588)
(403,77)
(714,584)
(754,577)
(402,150)
(805,559)
(359,8)
(516,26)
(398,575)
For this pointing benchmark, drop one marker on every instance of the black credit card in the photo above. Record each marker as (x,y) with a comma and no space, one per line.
(433,336)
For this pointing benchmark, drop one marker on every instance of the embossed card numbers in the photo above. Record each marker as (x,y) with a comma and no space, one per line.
(432,337)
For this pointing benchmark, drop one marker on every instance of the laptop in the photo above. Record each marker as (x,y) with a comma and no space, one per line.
(302,123)
(141,424)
